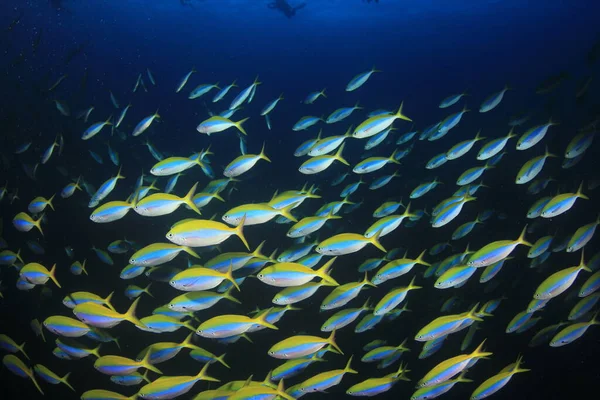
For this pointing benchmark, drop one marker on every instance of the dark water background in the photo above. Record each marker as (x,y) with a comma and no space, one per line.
(426,50)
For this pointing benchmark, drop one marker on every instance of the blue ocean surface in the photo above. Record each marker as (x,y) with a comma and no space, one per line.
(69,64)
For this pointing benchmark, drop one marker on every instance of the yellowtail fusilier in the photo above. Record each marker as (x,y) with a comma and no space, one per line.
(201,233)
(218,124)
(374,125)
(159,253)
(347,243)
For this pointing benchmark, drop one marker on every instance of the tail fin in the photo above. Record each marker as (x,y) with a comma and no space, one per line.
(53,276)
(130,314)
(323,272)
(521,238)
(203,377)
(400,115)
(189,199)
(229,276)
(263,155)
(331,341)
(374,240)
(287,212)
(239,231)
(64,380)
(239,125)
(338,155)
(420,260)
(146,363)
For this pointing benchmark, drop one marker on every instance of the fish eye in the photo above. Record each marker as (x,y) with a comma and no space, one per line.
(271,352)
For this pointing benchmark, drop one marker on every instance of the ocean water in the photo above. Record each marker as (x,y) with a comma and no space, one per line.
(425,50)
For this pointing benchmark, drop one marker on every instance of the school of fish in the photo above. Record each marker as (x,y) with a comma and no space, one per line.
(190,267)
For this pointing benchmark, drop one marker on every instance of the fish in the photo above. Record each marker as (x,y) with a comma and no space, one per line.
(159,204)
(166,387)
(199,233)
(301,346)
(374,125)
(498,381)
(184,80)
(17,367)
(144,124)
(95,129)
(244,163)
(218,124)
(360,80)
(492,102)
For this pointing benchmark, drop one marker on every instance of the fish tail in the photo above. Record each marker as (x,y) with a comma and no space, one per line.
(239,125)
(407,212)
(227,295)
(107,301)
(96,351)
(202,374)
(338,155)
(420,259)
(188,325)
(393,158)
(281,391)
(461,377)
(38,224)
(22,350)
(147,290)
(412,285)
(189,199)
(50,202)
(521,238)
(221,360)
(367,282)
(287,212)
(347,368)
(239,231)
(145,376)
(324,271)
(374,240)
(479,353)
(263,155)
(53,276)
(190,251)
(257,253)
(130,314)
(64,380)
(36,384)
(83,268)
(229,276)
(262,319)
(331,341)
(18,255)
(580,194)
(400,115)
(119,176)
(146,363)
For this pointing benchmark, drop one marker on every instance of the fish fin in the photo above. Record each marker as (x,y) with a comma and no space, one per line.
(189,199)
(229,276)
(130,314)
(287,212)
(400,115)
(323,272)
(53,276)
(146,363)
(64,380)
(107,300)
(374,240)
(331,341)
(338,155)
(239,231)
(239,125)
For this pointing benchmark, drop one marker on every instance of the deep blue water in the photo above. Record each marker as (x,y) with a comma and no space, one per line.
(426,50)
